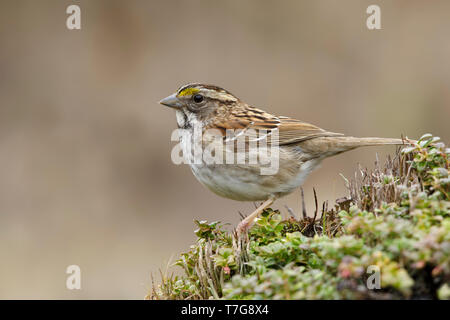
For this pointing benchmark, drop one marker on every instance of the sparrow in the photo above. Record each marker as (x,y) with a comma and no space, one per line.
(301,146)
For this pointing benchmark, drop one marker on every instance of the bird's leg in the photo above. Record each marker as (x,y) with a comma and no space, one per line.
(245,224)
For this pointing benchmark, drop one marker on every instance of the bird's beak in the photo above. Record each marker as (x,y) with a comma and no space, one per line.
(171,101)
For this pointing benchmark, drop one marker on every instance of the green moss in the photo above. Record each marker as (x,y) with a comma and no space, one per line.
(396,221)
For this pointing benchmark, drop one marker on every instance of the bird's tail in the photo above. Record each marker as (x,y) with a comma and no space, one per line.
(329,146)
(353,142)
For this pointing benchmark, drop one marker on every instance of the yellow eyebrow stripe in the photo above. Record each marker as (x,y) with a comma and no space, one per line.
(188,92)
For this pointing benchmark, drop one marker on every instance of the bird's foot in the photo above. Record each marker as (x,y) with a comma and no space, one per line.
(243,228)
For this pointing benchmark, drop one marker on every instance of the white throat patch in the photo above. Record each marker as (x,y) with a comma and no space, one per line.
(186,119)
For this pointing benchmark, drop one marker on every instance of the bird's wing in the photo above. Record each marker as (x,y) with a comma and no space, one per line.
(294,131)
(290,131)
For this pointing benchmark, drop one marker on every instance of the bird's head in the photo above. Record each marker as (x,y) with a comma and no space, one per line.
(200,99)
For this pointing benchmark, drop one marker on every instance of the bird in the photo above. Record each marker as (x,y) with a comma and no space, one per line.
(301,146)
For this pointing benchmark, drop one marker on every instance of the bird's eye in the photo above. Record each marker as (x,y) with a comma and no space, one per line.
(198,98)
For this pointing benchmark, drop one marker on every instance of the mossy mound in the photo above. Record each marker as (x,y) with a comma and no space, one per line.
(390,239)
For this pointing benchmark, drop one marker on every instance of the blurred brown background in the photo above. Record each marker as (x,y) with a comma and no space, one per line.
(85,170)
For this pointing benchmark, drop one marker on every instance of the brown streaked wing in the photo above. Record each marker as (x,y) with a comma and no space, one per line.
(244,119)
(295,131)
(290,130)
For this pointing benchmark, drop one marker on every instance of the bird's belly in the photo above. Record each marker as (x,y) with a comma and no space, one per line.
(229,182)
(244,183)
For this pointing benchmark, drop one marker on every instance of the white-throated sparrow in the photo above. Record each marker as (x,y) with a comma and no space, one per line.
(302,146)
